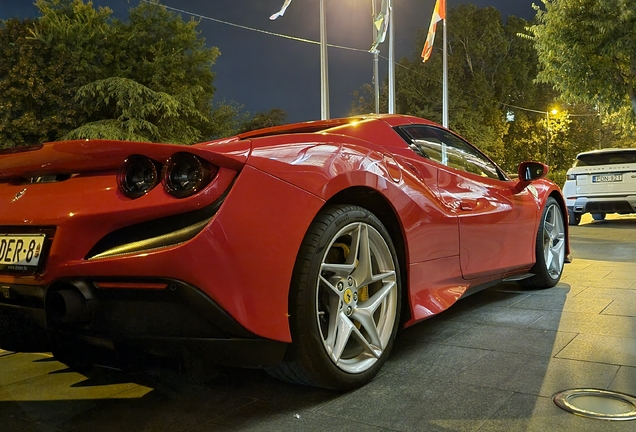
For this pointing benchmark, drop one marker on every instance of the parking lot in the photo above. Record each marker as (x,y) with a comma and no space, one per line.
(490,363)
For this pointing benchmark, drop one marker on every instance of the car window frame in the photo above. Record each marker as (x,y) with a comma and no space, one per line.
(441,157)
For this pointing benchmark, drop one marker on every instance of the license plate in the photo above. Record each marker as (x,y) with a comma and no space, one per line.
(21,252)
(606,178)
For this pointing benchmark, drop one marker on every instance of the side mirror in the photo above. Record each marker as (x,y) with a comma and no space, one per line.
(529,171)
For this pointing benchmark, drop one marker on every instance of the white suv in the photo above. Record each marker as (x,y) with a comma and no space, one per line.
(600,182)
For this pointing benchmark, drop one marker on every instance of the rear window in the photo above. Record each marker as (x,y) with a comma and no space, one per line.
(624,157)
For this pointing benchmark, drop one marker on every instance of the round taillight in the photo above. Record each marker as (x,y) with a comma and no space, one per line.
(137,176)
(185,174)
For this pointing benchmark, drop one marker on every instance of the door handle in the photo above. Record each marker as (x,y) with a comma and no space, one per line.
(465,206)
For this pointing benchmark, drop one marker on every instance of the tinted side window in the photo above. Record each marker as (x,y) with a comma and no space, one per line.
(450,150)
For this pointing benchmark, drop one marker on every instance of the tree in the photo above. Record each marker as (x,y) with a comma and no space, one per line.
(37,88)
(587,51)
(155,60)
(487,69)
(264,119)
(141,114)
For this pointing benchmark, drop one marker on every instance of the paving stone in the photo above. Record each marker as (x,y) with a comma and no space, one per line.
(611,293)
(541,376)
(163,409)
(24,366)
(625,381)
(258,385)
(612,282)
(52,397)
(586,275)
(514,340)
(510,317)
(403,403)
(585,323)
(539,414)
(574,304)
(601,349)
(561,290)
(436,329)
(14,420)
(264,417)
(440,362)
(622,308)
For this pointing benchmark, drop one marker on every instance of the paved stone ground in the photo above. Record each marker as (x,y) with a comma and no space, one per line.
(490,363)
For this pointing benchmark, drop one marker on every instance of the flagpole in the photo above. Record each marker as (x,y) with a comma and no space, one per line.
(324,68)
(445,81)
(376,59)
(391,60)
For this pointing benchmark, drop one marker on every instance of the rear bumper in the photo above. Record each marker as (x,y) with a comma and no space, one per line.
(175,321)
(612,204)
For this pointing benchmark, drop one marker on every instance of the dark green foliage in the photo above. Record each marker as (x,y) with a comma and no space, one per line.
(587,51)
(265,119)
(495,99)
(79,72)
(37,88)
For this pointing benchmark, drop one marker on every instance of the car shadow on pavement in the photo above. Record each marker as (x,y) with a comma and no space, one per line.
(490,363)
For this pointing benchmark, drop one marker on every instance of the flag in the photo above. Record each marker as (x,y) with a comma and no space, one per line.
(439,13)
(381,23)
(282,10)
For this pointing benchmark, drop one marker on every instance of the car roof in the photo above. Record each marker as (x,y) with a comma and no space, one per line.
(606,150)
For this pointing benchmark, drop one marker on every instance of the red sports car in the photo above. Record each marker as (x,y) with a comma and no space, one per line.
(301,249)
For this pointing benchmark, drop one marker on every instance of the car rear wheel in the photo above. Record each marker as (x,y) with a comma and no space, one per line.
(344,301)
(598,216)
(573,218)
(550,248)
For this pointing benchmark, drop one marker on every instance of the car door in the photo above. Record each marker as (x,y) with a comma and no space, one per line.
(497,225)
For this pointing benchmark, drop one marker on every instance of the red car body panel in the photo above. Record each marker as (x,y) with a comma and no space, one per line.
(459,230)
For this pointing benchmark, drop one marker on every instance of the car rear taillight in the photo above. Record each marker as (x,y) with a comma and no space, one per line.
(137,176)
(185,174)
(571,176)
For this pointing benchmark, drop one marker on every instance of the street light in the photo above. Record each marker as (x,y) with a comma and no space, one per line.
(547,134)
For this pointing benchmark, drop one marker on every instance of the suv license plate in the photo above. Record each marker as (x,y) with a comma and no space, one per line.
(21,252)
(605,178)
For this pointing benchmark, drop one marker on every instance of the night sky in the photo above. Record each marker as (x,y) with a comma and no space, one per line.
(261,71)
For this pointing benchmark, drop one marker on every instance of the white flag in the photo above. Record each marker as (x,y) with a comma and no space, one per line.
(282,10)
(381,23)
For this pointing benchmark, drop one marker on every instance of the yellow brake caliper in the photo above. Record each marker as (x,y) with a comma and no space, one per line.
(363,293)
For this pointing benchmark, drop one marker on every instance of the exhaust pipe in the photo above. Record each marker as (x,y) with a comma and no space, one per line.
(67,306)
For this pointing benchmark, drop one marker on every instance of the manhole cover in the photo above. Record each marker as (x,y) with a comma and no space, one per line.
(598,404)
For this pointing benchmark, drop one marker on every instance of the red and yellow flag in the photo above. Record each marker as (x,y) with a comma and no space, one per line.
(439,13)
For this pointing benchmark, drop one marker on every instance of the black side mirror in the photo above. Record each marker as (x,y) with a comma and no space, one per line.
(529,171)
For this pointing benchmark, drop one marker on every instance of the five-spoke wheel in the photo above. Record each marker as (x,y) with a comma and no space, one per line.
(550,248)
(344,301)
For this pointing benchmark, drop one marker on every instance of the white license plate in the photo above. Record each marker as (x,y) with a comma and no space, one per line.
(21,252)
(606,178)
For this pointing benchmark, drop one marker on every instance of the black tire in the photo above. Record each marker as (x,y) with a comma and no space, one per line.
(330,274)
(574,218)
(550,243)
(598,216)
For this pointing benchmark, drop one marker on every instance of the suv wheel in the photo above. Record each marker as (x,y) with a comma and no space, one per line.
(598,216)
(574,218)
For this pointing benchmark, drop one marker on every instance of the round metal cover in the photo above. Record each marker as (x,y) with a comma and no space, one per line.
(598,404)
